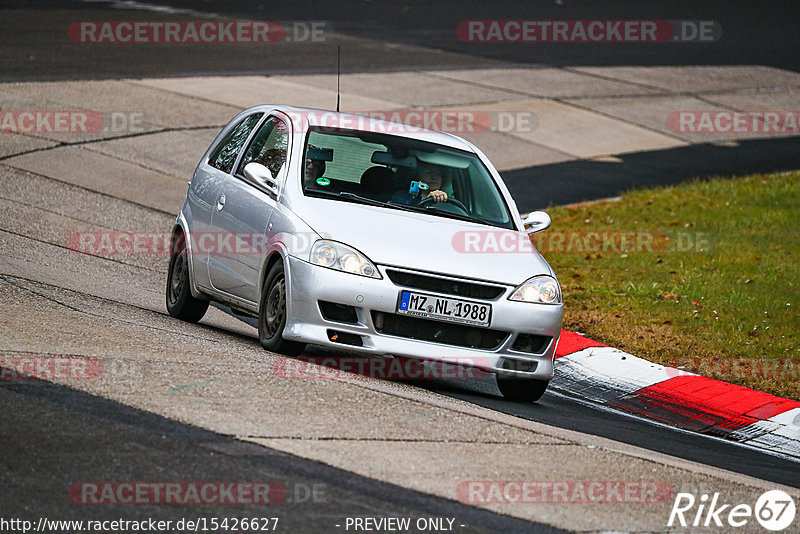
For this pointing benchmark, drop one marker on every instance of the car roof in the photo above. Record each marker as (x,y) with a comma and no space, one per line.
(352,121)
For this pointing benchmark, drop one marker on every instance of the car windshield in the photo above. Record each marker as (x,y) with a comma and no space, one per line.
(400,173)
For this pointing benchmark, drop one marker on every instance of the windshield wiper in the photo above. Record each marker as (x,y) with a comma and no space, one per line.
(343,194)
(433,211)
(357,198)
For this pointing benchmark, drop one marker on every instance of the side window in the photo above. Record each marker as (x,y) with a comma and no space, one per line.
(269,146)
(225,154)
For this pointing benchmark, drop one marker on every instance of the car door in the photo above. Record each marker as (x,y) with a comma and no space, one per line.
(243,210)
(204,189)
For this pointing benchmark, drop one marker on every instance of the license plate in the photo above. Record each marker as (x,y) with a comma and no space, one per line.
(444,309)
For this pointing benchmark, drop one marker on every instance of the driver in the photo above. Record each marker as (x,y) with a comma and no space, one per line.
(432,177)
(430,185)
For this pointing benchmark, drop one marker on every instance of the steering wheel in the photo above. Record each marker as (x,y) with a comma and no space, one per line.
(450,200)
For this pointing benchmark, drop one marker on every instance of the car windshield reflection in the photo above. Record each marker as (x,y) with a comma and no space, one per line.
(402,173)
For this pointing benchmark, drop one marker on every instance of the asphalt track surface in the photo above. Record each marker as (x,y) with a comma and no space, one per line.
(47,427)
(563,411)
(64,436)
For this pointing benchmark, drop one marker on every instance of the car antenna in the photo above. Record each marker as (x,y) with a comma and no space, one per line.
(338,70)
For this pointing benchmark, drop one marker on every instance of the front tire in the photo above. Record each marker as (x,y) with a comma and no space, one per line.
(180,302)
(522,389)
(272,314)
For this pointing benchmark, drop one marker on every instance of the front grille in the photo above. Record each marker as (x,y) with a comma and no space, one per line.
(444,285)
(437,331)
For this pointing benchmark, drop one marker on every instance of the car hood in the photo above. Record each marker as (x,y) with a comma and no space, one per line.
(428,243)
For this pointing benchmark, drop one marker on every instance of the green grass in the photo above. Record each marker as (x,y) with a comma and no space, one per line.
(728,309)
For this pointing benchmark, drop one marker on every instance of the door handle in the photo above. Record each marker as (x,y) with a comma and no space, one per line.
(221,202)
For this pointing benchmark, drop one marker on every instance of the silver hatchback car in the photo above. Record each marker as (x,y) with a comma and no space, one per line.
(367,235)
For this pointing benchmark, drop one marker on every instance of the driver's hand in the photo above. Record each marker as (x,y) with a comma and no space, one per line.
(438,196)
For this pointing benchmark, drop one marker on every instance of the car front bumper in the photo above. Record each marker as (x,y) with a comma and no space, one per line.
(308,284)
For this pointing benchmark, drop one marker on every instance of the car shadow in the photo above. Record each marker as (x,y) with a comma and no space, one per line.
(318,362)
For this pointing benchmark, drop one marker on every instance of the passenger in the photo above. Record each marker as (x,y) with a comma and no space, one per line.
(314,169)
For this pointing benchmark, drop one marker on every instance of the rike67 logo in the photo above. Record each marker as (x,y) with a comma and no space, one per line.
(774,510)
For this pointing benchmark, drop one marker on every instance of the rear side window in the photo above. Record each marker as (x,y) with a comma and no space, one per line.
(269,146)
(225,154)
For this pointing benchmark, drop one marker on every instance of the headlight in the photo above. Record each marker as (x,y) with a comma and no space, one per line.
(342,258)
(542,289)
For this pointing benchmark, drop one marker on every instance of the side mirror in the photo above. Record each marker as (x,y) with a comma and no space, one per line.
(536,221)
(261,177)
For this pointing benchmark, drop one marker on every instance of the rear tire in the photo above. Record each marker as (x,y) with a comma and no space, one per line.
(180,302)
(272,314)
(522,389)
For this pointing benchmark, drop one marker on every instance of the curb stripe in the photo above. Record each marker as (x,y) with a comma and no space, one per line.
(603,374)
(703,404)
(570,342)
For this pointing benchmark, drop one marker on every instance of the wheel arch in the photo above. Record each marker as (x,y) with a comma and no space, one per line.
(272,258)
(181,227)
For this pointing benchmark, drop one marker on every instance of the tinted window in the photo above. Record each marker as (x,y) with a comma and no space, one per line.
(225,154)
(269,146)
